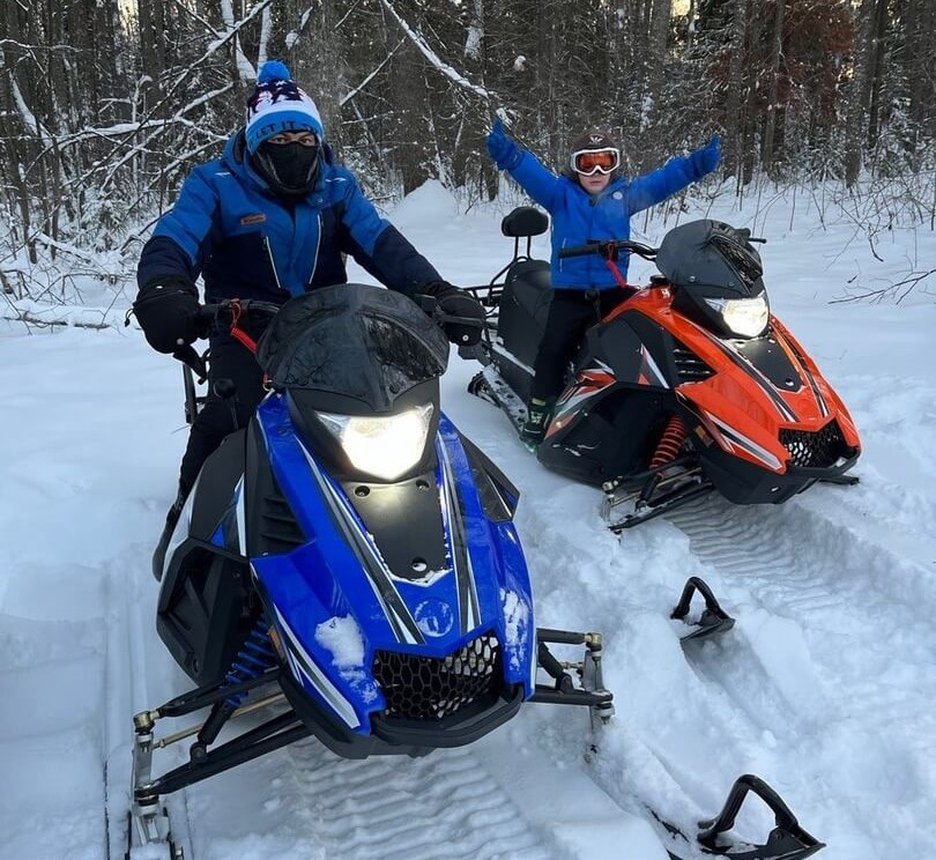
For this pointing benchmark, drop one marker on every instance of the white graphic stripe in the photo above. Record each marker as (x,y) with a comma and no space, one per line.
(302,664)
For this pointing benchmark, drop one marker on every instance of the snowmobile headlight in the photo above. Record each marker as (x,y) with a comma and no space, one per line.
(385,446)
(743,317)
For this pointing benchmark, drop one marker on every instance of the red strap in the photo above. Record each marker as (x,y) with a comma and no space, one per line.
(236,331)
(621,280)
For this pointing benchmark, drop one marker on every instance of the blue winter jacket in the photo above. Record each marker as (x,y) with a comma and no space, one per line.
(578,217)
(247,243)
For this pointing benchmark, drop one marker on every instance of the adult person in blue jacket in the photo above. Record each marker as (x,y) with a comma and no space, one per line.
(271,219)
(589,202)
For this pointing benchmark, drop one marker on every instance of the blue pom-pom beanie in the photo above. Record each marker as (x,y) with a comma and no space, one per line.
(278,104)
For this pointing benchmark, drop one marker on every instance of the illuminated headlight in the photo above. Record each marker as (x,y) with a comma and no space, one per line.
(743,317)
(385,446)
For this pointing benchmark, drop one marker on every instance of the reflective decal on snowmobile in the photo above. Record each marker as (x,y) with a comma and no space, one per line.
(469,611)
(732,438)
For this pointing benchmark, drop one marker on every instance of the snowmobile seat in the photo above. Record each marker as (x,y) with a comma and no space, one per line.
(524,306)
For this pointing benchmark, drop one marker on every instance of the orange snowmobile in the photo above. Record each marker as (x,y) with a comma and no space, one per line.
(689,386)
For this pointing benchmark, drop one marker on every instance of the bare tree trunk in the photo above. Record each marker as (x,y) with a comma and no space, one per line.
(734,119)
(776,53)
(855,112)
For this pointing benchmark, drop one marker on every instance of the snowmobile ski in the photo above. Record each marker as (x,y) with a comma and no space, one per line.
(660,492)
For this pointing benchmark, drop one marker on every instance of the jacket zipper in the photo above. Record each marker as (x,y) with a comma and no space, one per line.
(318,244)
(269,250)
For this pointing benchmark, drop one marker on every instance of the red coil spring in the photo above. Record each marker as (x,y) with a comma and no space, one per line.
(670,442)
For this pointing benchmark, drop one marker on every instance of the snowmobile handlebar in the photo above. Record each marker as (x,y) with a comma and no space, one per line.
(221,314)
(610,250)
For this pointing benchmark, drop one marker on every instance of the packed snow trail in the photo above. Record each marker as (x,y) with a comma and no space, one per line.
(826,685)
(824,688)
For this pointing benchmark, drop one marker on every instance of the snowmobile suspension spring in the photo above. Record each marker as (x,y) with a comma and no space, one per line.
(254,658)
(670,442)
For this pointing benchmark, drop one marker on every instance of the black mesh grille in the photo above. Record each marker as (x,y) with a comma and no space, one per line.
(818,450)
(689,367)
(419,688)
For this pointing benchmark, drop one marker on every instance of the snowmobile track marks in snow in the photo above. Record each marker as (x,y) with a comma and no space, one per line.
(810,590)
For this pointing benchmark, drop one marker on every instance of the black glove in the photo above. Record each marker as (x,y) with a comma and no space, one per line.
(454,302)
(167,312)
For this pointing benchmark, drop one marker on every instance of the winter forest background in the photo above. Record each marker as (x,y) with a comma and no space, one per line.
(106,104)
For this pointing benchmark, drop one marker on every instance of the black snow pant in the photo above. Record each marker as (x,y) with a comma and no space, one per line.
(571,314)
(228,360)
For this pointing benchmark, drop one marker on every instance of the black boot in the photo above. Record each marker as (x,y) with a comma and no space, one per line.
(159,554)
(534,430)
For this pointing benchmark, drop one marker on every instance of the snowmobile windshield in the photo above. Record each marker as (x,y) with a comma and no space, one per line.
(354,340)
(711,254)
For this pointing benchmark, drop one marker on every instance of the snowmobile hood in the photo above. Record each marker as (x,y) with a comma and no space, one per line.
(354,340)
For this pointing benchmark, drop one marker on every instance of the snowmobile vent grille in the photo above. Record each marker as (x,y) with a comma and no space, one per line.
(689,367)
(431,688)
(278,527)
(817,450)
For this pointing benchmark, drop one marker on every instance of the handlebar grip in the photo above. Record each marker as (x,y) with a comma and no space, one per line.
(610,249)
(578,251)
(213,312)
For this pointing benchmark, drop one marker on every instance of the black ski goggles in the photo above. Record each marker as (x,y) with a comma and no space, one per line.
(588,162)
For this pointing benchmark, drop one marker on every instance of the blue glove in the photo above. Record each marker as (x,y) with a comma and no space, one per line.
(710,155)
(504,151)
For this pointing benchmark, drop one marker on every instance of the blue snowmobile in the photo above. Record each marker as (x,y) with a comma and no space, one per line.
(348,560)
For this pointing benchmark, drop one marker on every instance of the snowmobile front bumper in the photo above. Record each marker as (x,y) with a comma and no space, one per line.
(397,736)
(745,483)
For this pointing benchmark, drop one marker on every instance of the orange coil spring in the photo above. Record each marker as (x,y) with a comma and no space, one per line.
(670,442)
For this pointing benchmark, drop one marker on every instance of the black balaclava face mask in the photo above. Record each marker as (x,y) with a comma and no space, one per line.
(290,169)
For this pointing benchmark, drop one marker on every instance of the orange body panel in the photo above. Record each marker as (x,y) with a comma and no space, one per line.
(738,395)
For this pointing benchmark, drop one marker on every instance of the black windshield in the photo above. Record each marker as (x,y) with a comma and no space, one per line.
(711,254)
(355,340)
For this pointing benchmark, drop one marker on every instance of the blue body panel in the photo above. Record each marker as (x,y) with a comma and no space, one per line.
(339,574)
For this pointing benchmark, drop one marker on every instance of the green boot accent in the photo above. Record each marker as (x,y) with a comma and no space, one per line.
(534,430)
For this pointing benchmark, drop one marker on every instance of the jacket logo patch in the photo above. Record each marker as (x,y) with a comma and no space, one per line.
(259,218)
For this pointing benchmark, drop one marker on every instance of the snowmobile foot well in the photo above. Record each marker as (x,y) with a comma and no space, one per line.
(488,385)
(714,620)
(787,841)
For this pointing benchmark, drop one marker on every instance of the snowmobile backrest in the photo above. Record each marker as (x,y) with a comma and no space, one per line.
(524,221)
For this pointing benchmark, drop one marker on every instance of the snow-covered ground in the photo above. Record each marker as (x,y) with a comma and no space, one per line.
(826,687)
